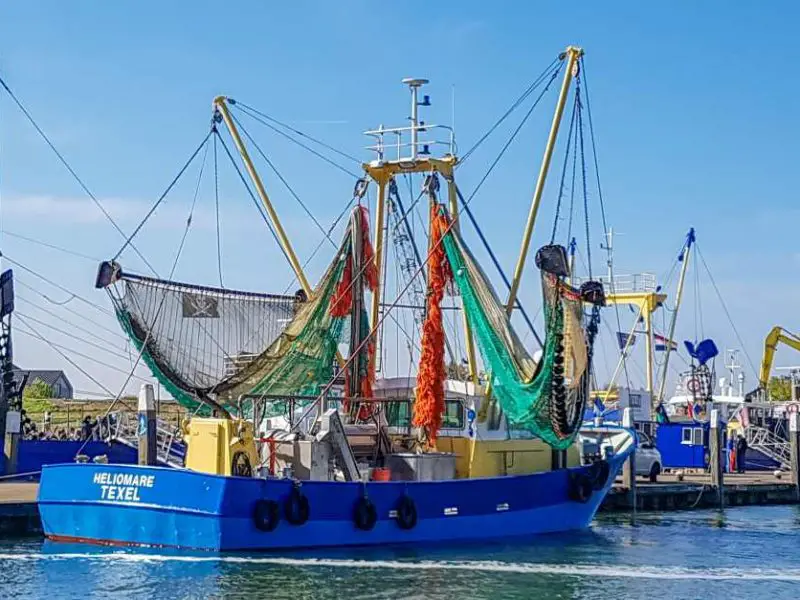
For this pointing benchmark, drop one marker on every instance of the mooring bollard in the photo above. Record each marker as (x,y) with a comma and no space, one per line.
(715,457)
(629,469)
(794,442)
(146,429)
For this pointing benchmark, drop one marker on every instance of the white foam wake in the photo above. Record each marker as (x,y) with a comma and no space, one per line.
(613,571)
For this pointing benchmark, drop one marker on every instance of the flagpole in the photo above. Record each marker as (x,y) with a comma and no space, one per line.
(624,355)
(683,257)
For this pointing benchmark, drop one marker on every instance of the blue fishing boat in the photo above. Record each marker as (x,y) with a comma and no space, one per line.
(296,442)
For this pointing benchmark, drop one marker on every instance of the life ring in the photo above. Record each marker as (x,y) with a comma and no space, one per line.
(406,513)
(364,514)
(296,507)
(580,488)
(599,472)
(266,514)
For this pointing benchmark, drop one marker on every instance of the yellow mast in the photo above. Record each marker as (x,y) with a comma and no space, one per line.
(221,105)
(679,295)
(573,53)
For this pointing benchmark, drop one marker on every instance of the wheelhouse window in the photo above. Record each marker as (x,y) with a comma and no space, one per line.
(686,434)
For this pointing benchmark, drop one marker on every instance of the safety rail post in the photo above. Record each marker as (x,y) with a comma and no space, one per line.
(146,430)
(629,468)
(715,457)
(794,442)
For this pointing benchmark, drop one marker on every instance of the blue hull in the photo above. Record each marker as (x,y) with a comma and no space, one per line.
(151,506)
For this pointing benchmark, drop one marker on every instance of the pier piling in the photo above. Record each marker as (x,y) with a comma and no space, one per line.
(146,430)
(629,469)
(715,457)
(794,442)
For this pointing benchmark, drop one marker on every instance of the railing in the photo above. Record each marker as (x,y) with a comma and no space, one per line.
(627,284)
(779,450)
(123,427)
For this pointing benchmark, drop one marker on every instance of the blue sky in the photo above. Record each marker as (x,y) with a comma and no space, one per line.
(692,105)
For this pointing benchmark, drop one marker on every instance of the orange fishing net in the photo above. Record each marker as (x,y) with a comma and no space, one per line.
(429,405)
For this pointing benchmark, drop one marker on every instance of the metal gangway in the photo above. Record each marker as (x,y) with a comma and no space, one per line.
(769,444)
(171,451)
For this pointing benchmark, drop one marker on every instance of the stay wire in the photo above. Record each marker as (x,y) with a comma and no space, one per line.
(514,134)
(725,308)
(164,195)
(72,171)
(319,155)
(52,246)
(496,263)
(58,349)
(531,88)
(255,200)
(341,153)
(73,295)
(216,209)
(564,174)
(283,181)
(582,75)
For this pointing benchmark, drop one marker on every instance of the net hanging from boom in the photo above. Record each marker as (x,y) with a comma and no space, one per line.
(213,344)
(546,397)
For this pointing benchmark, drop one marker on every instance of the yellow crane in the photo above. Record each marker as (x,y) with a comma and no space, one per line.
(776,334)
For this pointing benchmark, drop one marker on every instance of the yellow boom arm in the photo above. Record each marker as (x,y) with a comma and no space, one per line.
(776,334)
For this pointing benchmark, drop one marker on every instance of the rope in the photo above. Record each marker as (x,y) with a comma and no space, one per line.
(164,195)
(70,169)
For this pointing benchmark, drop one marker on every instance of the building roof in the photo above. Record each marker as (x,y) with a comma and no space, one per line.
(50,377)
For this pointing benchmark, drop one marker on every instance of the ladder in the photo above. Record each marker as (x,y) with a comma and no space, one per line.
(769,444)
(170,448)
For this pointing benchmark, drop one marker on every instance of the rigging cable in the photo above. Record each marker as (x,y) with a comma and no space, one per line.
(216,210)
(536,83)
(258,205)
(164,195)
(53,246)
(71,170)
(582,74)
(283,181)
(304,146)
(488,248)
(725,308)
(73,296)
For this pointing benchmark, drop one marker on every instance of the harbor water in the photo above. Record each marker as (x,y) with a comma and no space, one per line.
(740,553)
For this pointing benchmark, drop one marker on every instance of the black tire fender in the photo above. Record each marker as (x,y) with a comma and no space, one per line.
(266,514)
(296,508)
(406,513)
(365,515)
(599,473)
(580,488)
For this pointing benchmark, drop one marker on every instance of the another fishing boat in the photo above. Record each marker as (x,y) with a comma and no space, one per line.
(296,444)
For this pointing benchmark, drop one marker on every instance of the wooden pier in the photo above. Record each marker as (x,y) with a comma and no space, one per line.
(697,491)
(19,514)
